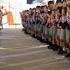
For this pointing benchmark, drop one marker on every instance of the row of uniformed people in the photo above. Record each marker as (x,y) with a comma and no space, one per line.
(52,25)
(1,15)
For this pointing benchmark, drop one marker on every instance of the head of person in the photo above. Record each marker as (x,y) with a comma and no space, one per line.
(50,4)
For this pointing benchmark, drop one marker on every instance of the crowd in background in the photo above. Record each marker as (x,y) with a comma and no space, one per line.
(1,15)
(50,23)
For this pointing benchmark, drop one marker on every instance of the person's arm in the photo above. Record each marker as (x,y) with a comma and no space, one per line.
(5,12)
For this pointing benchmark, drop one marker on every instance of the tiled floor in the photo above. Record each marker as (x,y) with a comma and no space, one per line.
(19,51)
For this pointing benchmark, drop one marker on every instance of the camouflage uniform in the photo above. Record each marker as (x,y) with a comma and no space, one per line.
(63,30)
(68,30)
(1,14)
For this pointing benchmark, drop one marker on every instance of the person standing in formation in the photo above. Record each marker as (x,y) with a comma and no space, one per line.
(1,14)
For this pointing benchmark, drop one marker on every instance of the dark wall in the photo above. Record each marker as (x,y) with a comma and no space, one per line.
(30,1)
(59,1)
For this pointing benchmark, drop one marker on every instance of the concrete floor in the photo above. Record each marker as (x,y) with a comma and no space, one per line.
(19,51)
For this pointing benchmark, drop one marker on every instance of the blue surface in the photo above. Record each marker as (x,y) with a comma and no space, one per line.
(1,1)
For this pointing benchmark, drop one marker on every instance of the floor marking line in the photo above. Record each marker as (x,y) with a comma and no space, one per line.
(23,54)
(34,61)
(41,46)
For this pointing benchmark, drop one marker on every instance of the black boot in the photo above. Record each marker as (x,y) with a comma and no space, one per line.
(23,29)
(55,48)
(50,45)
(67,55)
(60,51)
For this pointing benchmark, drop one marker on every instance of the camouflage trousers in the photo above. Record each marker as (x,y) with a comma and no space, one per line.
(1,26)
(67,36)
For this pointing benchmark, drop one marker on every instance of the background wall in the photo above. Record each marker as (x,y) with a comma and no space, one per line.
(16,6)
